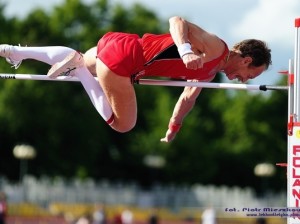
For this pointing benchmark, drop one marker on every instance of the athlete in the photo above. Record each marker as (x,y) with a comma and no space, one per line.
(187,52)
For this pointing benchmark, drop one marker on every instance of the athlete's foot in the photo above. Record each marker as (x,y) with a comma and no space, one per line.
(6,52)
(71,62)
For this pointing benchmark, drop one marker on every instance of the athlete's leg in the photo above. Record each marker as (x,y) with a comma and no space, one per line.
(48,54)
(90,57)
(121,96)
(73,64)
(95,93)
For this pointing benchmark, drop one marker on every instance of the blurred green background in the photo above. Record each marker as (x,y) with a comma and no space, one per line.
(222,140)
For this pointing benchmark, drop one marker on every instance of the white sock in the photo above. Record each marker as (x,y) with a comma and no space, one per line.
(95,92)
(54,54)
(48,54)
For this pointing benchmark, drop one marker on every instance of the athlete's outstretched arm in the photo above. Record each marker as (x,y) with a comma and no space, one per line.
(183,106)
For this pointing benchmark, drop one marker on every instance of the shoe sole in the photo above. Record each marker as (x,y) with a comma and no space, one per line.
(60,68)
(6,50)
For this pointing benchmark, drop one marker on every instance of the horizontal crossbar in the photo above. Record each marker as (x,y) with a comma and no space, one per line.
(153,82)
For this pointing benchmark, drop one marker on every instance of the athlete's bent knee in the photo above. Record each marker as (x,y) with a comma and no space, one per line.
(123,128)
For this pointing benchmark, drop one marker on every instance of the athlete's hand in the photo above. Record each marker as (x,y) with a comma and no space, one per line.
(192,61)
(169,136)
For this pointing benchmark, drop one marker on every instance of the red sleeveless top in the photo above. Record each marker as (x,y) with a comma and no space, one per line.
(171,67)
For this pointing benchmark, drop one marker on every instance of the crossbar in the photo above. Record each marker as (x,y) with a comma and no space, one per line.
(211,85)
(154,82)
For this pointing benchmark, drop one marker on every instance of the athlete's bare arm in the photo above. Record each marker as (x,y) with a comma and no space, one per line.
(183,106)
(205,46)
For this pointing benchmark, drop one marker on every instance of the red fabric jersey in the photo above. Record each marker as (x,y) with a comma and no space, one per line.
(127,54)
(173,67)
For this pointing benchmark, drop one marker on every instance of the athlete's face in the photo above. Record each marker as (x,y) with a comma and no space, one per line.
(242,70)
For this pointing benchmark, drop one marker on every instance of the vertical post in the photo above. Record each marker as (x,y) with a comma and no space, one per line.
(296,70)
(291,106)
(293,169)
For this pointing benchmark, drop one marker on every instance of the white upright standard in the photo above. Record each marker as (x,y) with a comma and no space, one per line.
(293,154)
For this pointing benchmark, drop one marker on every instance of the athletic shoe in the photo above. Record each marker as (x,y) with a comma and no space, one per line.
(6,52)
(71,62)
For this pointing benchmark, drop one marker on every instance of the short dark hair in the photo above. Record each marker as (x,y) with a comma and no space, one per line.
(257,50)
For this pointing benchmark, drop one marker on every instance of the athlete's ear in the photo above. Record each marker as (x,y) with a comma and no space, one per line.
(247,60)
